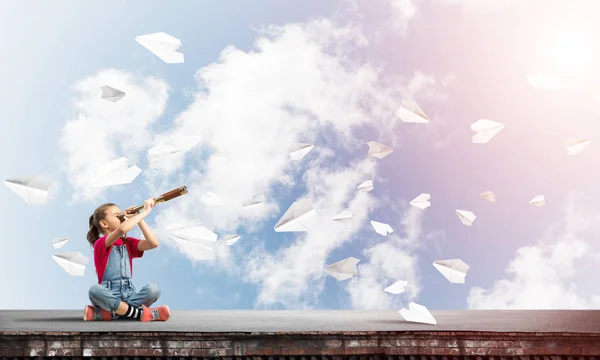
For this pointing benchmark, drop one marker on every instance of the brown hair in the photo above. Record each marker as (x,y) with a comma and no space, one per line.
(98,215)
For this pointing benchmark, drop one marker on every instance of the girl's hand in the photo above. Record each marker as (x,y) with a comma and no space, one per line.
(129,213)
(148,205)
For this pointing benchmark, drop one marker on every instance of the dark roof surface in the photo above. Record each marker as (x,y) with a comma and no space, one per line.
(576,321)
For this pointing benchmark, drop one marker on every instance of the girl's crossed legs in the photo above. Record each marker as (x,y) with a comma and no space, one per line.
(118,302)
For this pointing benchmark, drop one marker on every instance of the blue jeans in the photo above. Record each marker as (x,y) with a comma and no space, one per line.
(109,294)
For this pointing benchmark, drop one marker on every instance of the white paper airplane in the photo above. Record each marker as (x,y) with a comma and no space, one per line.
(539,200)
(33,189)
(299,150)
(296,216)
(396,288)
(210,198)
(162,45)
(116,172)
(454,270)
(576,145)
(73,262)
(488,195)
(111,94)
(421,201)
(346,214)
(417,313)
(59,242)
(343,269)
(366,186)
(382,228)
(196,241)
(410,112)
(252,202)
(545,81)
(164,154)
(466,217)
(485,130)
(230,239)
(378,150)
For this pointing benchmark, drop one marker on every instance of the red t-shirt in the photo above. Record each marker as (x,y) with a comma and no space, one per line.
(101,254)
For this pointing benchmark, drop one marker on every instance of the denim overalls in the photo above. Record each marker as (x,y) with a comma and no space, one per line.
(116,285)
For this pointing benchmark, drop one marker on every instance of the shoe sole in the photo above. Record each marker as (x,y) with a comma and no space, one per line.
(85,312)
(169,311)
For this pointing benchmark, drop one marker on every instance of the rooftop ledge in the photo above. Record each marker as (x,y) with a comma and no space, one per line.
(308,335)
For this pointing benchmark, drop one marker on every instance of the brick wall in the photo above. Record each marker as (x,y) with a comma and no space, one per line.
(307,346)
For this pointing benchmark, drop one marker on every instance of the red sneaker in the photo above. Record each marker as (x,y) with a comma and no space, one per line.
(161,313)
(94,313)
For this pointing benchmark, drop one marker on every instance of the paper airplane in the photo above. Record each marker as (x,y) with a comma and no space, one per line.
(59,242)
(396,288)
(162,45)
(421,201)
(111,94)
(488,195)
(210,198)
(382,228)
(346,214)
(116,172)
(575,145)
(539,200)
(410,112)
(33,189)
(454,270)
(544,80)
(73,262)
(196,241)
(466,217)
(164,154)
(252,202)
(230,239)
(485,130)
(378,150)
(366,186)
(296,216)
(299,150)
(417,313)
(343,269)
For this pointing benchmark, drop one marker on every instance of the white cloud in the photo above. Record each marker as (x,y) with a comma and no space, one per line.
(545,276)
(387,262)
(103,131)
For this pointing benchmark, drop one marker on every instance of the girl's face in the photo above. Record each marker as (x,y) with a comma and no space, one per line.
(111,219)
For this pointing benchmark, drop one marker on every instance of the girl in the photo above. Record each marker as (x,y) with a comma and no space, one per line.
(115,296)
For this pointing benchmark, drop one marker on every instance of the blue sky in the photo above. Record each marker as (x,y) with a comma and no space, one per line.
(346,64)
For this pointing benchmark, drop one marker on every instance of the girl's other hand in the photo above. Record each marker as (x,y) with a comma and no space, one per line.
(148,205)
(129,212)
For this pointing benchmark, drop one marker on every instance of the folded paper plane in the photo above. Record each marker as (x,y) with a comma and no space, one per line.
(485,130)
(230,239)
(382,228)
(488,195)
(296,217)
(544,80)
(417,313)
(421,201)
(366,186)
(162,45)
(466,217)
(59,242)
(539,200)
(346,214)
(252,202)
(410,112)
(299,150)
(33,189)
(378,150)
(196,241)
(396,288)
(73,262)
(116,172)
(575,145)
(111,94)
(343,269)
(165,153)
(455,270)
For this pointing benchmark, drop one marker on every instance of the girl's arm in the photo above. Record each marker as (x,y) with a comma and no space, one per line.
(124,228)
(151,240)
